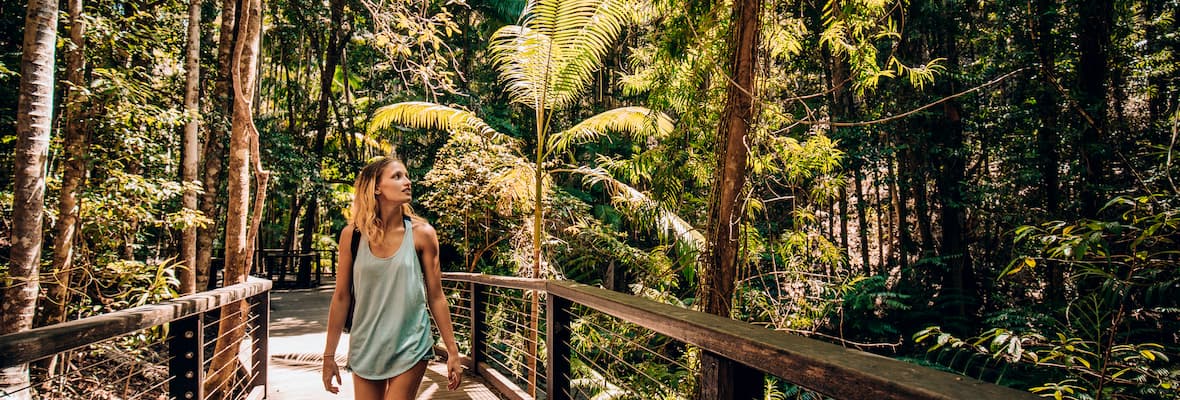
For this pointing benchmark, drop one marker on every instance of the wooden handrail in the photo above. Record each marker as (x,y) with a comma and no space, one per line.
(25,346)
(820,366)
(510,282)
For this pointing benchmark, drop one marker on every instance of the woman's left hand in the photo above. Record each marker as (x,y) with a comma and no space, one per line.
(454,372)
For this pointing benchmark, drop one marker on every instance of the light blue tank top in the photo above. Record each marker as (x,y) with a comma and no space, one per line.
(391,325)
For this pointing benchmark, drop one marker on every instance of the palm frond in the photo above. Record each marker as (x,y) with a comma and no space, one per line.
(641,207)
(426,115)
(639,122)
(373,143)
(550,60)
(522,56)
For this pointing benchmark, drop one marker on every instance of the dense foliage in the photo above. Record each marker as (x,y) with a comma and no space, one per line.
(984,187)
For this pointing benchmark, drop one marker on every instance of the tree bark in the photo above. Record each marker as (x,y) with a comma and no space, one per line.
(190,155)
(958,281)
(726,206)
(1047,136)
(215,142)
(75,172)
(238,235)
(883,224)
(327,75)
(34,121)
(900,206)
(843,109)
(862,219)
(293,222)
(1093,74)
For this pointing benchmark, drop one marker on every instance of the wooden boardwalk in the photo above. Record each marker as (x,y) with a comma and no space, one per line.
(297,325)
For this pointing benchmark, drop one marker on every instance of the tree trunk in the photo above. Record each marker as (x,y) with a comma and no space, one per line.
(215,142)
(958,283)
(844,217)
(726,206)
(192,142)
(862,219)
(75,172)
(844,108)
(1093,74)
(900,207)
(238,238)
(921,200)
(1047,137)
(331,61)
(293,222)
(883,225)
(34,121)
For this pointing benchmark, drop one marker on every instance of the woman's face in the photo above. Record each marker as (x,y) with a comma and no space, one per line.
(394,184)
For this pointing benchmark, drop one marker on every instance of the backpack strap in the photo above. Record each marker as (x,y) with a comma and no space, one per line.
(354,246)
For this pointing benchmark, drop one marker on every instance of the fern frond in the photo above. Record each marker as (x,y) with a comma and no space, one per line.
(639,122)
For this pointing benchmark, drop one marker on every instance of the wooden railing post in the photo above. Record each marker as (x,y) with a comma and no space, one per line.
(479,334)
(725,379)
(260,339)
(186,339)
(557,339)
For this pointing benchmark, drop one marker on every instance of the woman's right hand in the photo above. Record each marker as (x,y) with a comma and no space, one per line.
(331,370)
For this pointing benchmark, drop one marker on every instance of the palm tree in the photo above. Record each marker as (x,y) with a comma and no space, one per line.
(547,63)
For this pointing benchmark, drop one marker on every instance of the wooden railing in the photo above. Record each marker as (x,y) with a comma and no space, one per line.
(177,338)
(637,348)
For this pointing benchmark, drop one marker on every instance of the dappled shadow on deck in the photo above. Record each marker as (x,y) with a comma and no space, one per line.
(298,322)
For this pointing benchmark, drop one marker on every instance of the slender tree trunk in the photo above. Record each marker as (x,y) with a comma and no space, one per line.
(215,143)
(1047,136)
(862,220)
(844,217)
(900,206)
(921,203)
(34,120)
(882,211)
(292,222)
(1093,76)
(957,286)
(75,172)
(190,156)
(844,108)
(726,206)
(238,236)
(327,75)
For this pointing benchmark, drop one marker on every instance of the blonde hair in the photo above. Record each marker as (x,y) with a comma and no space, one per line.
(365,208)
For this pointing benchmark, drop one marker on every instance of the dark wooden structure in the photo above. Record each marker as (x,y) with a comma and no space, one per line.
(293,269)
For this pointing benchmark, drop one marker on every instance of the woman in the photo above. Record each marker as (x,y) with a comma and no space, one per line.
(396,276)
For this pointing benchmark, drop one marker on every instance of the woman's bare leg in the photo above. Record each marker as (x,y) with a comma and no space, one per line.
(365,389)
(405,386)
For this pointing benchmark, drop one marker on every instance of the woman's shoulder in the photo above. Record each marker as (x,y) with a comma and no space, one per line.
(347,232)
(422,228)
